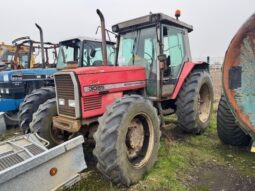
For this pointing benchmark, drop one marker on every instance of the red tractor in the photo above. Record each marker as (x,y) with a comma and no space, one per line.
(123,104)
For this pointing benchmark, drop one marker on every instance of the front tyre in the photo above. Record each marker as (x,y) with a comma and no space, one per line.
(31,103)
(42,123)
(11,119)
(127,140)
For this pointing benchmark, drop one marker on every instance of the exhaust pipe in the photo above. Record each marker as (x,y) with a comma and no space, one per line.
(42,44)
(103,37)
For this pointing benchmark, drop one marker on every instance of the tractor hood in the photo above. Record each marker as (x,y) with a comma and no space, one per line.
(95,80)
(26,74)
(105,69)
(85,92)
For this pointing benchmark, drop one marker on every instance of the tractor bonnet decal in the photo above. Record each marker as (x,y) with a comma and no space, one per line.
(98,88)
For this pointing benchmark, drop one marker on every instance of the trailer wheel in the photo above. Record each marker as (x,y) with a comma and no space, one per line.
(127,140)
(31,104)
(229,131)
(42,123)
(195,102)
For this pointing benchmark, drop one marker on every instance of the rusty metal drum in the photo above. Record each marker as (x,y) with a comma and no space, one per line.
(239,76)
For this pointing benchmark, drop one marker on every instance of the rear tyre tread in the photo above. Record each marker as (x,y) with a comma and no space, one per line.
(186,100)
(228,129)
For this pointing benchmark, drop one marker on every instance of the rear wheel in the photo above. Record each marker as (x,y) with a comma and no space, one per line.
(42,123)
(31,104)
(127,140)
(195,102)
(229,131)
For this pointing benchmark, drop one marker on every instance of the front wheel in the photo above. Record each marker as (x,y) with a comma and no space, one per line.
(195,102)
(42,123)
(31,103)
(127,140)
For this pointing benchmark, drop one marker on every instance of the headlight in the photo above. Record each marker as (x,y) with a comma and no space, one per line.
(61,101)
(16,77)
(6,78)
(71,103)
(7,91)
(2,90)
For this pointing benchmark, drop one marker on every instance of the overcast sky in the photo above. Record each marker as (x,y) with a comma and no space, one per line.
(215,22)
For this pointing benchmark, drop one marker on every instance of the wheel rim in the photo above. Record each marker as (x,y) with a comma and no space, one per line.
(139,140)
(204,103)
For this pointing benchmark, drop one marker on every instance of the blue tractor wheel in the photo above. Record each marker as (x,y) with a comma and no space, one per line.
(31,104)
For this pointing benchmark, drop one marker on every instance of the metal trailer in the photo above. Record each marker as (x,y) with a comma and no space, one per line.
(27,165)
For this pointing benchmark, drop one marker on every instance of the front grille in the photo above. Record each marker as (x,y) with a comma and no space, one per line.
(65,90)
(92,102)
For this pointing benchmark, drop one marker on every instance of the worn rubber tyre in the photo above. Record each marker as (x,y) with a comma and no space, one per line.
(42,123)
(31,103)
(11,119)
(127,140)
(229,131)
(195,102)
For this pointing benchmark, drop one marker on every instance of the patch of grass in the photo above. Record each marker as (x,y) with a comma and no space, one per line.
(93,180)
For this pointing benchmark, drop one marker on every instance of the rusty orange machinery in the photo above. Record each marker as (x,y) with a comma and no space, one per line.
(238,76)
(12,53)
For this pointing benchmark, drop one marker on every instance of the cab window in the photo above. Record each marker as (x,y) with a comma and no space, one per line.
(173,40)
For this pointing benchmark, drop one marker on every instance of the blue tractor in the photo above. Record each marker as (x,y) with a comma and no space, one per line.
(17,82)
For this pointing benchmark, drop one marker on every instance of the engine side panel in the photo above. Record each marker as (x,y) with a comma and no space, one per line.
(102,89)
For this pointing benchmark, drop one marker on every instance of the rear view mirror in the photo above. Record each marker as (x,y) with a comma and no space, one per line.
(162,57)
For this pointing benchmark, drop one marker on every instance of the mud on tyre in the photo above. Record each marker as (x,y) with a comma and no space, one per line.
(127,140)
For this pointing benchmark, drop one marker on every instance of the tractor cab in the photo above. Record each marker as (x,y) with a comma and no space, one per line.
(39,54)
(10,54)
(160,44)
(83,52)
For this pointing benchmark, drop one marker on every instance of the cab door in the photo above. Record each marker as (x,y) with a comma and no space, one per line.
(174,49)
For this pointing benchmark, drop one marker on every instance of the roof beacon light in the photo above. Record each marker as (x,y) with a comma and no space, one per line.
(177,14)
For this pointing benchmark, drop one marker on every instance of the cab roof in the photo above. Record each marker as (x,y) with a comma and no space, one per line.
(148,20)
(85,38)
